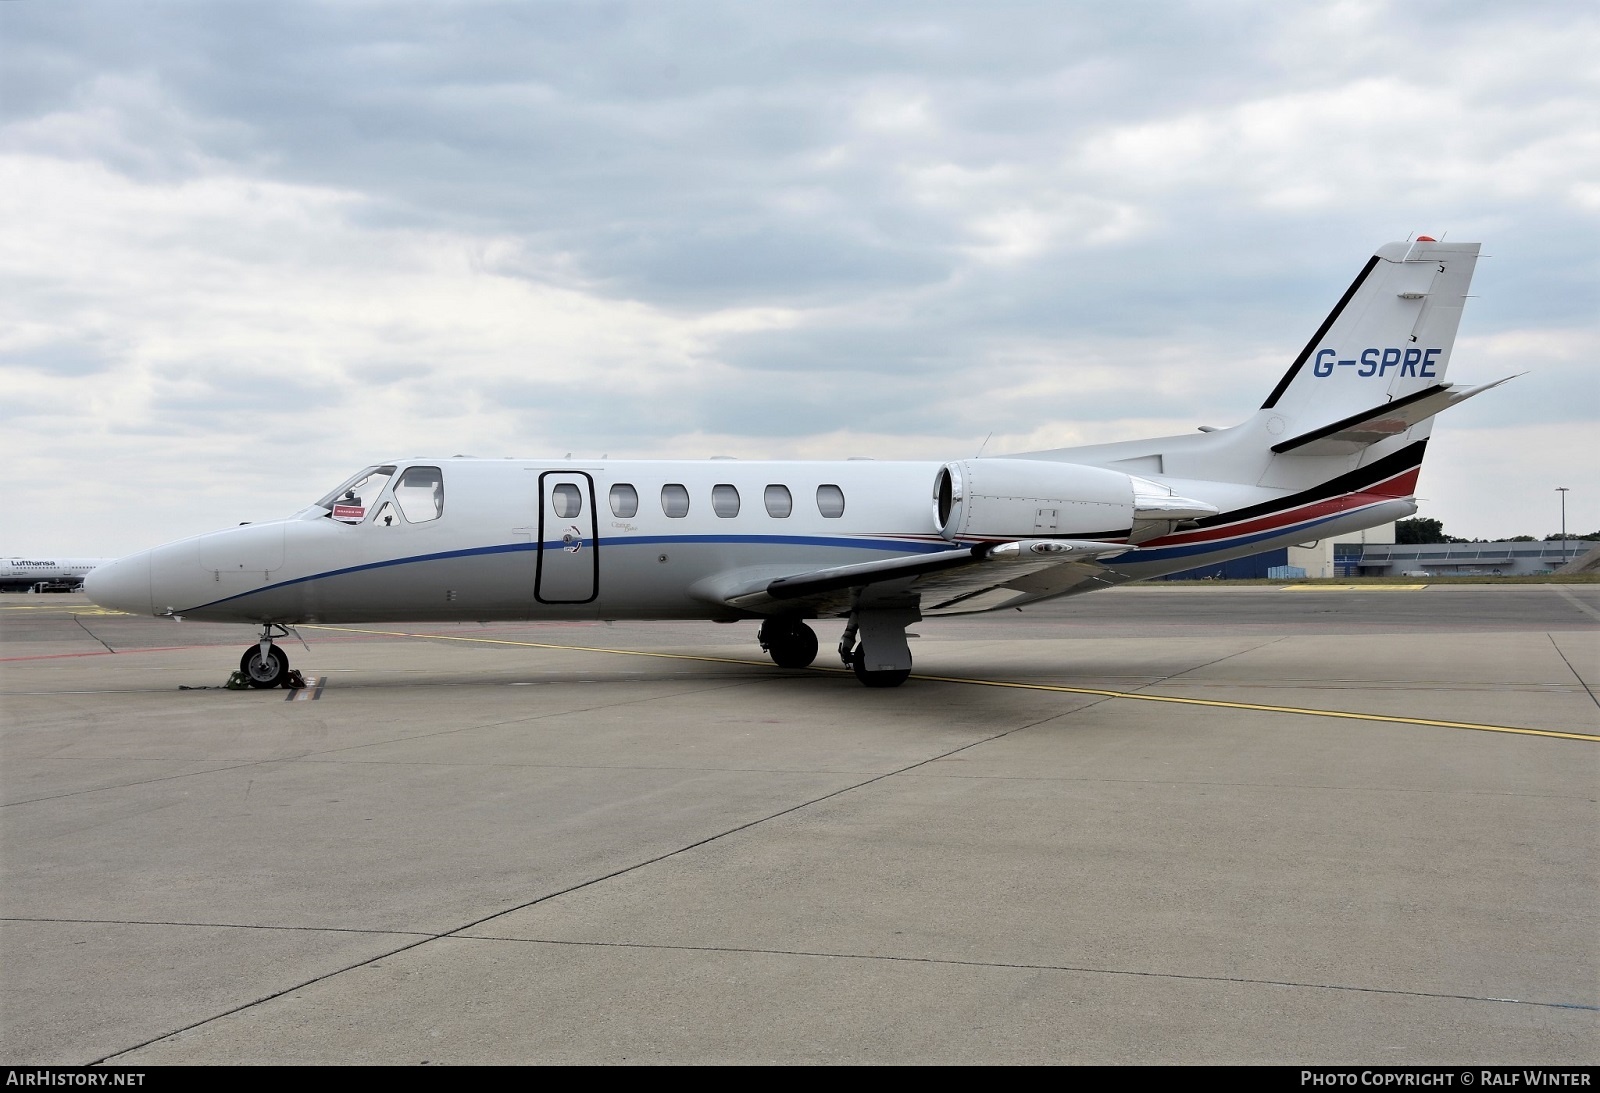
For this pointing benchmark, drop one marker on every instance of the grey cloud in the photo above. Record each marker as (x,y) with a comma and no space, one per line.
(65,360)
(831,159)
(647,143)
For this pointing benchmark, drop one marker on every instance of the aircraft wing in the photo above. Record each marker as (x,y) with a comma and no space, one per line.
(1349,435)
(952,582)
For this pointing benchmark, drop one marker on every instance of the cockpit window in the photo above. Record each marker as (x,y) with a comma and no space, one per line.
(420,494)
(350,503)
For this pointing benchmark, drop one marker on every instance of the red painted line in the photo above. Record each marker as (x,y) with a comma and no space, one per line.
(58,656)
(349,636)
(1392,489)
(151,649)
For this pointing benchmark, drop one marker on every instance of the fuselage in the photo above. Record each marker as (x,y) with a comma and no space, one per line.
(468,539)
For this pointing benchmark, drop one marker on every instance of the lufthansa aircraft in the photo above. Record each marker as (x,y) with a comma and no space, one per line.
(45,574)
(1335,447)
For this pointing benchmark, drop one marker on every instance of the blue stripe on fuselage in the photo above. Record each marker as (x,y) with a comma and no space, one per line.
(1212,546)
(899,546)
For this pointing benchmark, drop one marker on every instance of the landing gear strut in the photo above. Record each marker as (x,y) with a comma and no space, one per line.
(789,642)
(264,664)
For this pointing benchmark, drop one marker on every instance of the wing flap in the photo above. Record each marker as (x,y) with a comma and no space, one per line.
(947,582)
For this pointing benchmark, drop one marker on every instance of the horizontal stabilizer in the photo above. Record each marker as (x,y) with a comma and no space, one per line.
(941,579)
(1349,435)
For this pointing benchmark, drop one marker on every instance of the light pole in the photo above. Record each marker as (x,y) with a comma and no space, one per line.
(1562,490)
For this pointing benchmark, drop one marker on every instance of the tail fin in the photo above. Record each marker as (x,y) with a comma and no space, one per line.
(1388,338)
(1356,406)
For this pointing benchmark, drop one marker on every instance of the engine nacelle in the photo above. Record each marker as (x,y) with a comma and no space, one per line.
(1023,498)
(1032,498)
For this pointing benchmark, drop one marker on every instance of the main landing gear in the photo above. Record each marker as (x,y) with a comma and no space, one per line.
(874,645)
(264,664)
(789,642)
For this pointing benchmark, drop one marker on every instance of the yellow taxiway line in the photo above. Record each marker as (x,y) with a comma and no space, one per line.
(1352,587)
(71,610)
(1134,696)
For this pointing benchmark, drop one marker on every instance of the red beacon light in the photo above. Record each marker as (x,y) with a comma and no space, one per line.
(1426,239)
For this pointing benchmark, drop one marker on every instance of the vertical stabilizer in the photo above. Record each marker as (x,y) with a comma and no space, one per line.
(1347,425)
(1389,337)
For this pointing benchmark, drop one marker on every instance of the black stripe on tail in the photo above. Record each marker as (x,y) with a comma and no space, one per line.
(1316,339)
(1352,482)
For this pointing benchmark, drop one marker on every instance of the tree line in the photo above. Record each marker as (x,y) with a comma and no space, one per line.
(1420,529)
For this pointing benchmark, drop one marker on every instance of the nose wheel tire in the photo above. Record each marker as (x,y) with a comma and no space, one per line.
(271,672)
(891,678)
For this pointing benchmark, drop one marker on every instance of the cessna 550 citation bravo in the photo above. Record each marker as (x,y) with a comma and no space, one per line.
(1336,447)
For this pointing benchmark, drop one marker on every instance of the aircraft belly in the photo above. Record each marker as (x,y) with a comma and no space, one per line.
(656,580)
(476,587)
(335,573)
(652,580)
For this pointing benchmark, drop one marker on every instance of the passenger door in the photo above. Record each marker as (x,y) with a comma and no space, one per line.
(569,551)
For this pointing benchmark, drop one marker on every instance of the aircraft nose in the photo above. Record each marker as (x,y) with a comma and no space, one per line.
(122,585)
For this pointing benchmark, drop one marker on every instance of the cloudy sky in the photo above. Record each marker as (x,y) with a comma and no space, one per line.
(248,249)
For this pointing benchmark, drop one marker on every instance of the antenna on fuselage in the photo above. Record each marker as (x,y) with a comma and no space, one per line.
(985,444)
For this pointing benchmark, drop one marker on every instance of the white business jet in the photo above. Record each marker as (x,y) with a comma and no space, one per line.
(1336,447)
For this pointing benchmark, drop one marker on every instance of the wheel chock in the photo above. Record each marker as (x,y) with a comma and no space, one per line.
(293,680)
(237,682)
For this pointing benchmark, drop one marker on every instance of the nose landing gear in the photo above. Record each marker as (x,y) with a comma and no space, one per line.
(264,664)
(264,671)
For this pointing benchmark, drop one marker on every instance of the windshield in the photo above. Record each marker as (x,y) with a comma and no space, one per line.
(349,503)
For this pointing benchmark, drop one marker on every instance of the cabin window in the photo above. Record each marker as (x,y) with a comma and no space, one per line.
(567,500)
(779,503)
(624,500)
(724,500)
(420,494)
(830,501)
(350,503)
(675,500)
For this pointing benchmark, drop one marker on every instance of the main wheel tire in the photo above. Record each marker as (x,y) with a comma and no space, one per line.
(790,645)
(892,678)
(271,672)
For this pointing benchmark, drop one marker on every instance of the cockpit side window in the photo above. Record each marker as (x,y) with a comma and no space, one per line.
(420,494)
(350,503)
